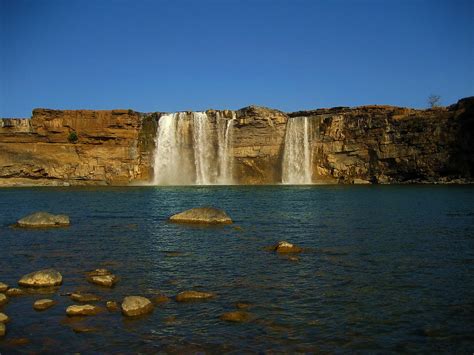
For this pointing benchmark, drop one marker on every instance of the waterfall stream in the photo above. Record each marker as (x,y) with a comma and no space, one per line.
(296,165)
(192,150)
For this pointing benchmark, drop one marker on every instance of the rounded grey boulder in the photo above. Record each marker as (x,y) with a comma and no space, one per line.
(41,278)
(136,306)
(43,220)
(202,215)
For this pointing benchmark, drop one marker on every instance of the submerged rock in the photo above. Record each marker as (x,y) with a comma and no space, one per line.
(3,329)
(3,299)
(161,299)
(13,292)
(43,219)
(83,310)
(285,247)
(79,328)
(102,277)
(242,305)
(236,316)
(41,278)
(187,296)
(136,306)
(84,297)
(202,215)
(4,318)
(43,304)
(112,306)
(3,287)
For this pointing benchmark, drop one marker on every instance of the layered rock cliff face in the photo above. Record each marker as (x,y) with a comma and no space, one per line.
(377,144)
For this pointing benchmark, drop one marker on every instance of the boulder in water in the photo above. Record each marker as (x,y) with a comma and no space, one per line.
(83,310)
(187,296)
(13,292)
(202,215)
(84,297)
(43,304)
(3,299)
(236,316)
(102,277)
(43,219)
(112,306)
(285,247)
(4,318)
(136,306)
(3,329)
(41,278)
(3,287)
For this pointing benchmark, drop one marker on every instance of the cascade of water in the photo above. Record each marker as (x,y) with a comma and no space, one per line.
(296,166)
(186,151)
(225,143)
(202,149)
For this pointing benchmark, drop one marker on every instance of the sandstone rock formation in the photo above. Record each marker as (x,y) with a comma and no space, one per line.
(43,220)
(202,215)
(102,277)
(136,306)
(4,318)
(3,299)
(187,296)
(3,287)
(41,278)
(43,304)
(367,144)
(83,310)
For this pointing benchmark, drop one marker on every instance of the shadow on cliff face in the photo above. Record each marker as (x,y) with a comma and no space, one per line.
(461,162)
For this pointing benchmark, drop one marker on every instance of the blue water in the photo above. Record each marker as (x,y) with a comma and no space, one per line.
(386,268)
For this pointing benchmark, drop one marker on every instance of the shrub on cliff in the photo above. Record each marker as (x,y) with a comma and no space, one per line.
(72,138)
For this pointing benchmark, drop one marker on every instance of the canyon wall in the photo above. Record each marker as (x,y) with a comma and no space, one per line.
(368,144)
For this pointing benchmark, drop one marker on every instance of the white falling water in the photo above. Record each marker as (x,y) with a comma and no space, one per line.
(225,143)
(203,153)
(189,150)
(296,166)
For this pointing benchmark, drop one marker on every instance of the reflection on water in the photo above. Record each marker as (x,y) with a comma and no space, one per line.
(387,268)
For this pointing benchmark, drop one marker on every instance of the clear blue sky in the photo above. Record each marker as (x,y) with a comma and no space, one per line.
(174,55)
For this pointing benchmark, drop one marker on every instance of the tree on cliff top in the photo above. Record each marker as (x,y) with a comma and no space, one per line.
(434,100)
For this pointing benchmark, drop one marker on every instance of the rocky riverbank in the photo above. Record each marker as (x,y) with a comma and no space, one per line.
(367,144)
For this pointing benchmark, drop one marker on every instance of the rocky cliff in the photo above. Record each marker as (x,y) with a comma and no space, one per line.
(368,144)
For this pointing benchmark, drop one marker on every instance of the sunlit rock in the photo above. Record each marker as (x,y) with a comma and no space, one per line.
(236,316)
(41,278)
(13,292)
(3,287)
(43,219)
(83,310)
(84,297)
(4,318)
(102,277)
(202,215)
(43,304)
(136,306)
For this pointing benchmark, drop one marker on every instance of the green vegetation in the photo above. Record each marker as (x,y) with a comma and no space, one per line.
(72,138)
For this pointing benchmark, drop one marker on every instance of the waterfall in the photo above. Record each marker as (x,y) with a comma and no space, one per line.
(225,144)
(296,166)
(191,150)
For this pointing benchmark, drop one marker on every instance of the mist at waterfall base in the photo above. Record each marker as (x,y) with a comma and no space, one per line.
(189,150)
(387,268)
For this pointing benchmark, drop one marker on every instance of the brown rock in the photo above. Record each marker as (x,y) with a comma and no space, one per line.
(285,247)
(161,299)
(43,220)
(202,215)
(242,305)
(43,304)
(187,296)
(4,318)
(13,292)
(102,277)
(3,299)
(3,329)
(79,328)
(3,287)
(112,306)
(236,316)
(41,278)
(84,297)
(83,310)
(136,306)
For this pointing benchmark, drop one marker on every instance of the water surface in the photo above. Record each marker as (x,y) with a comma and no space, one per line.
(387,268)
